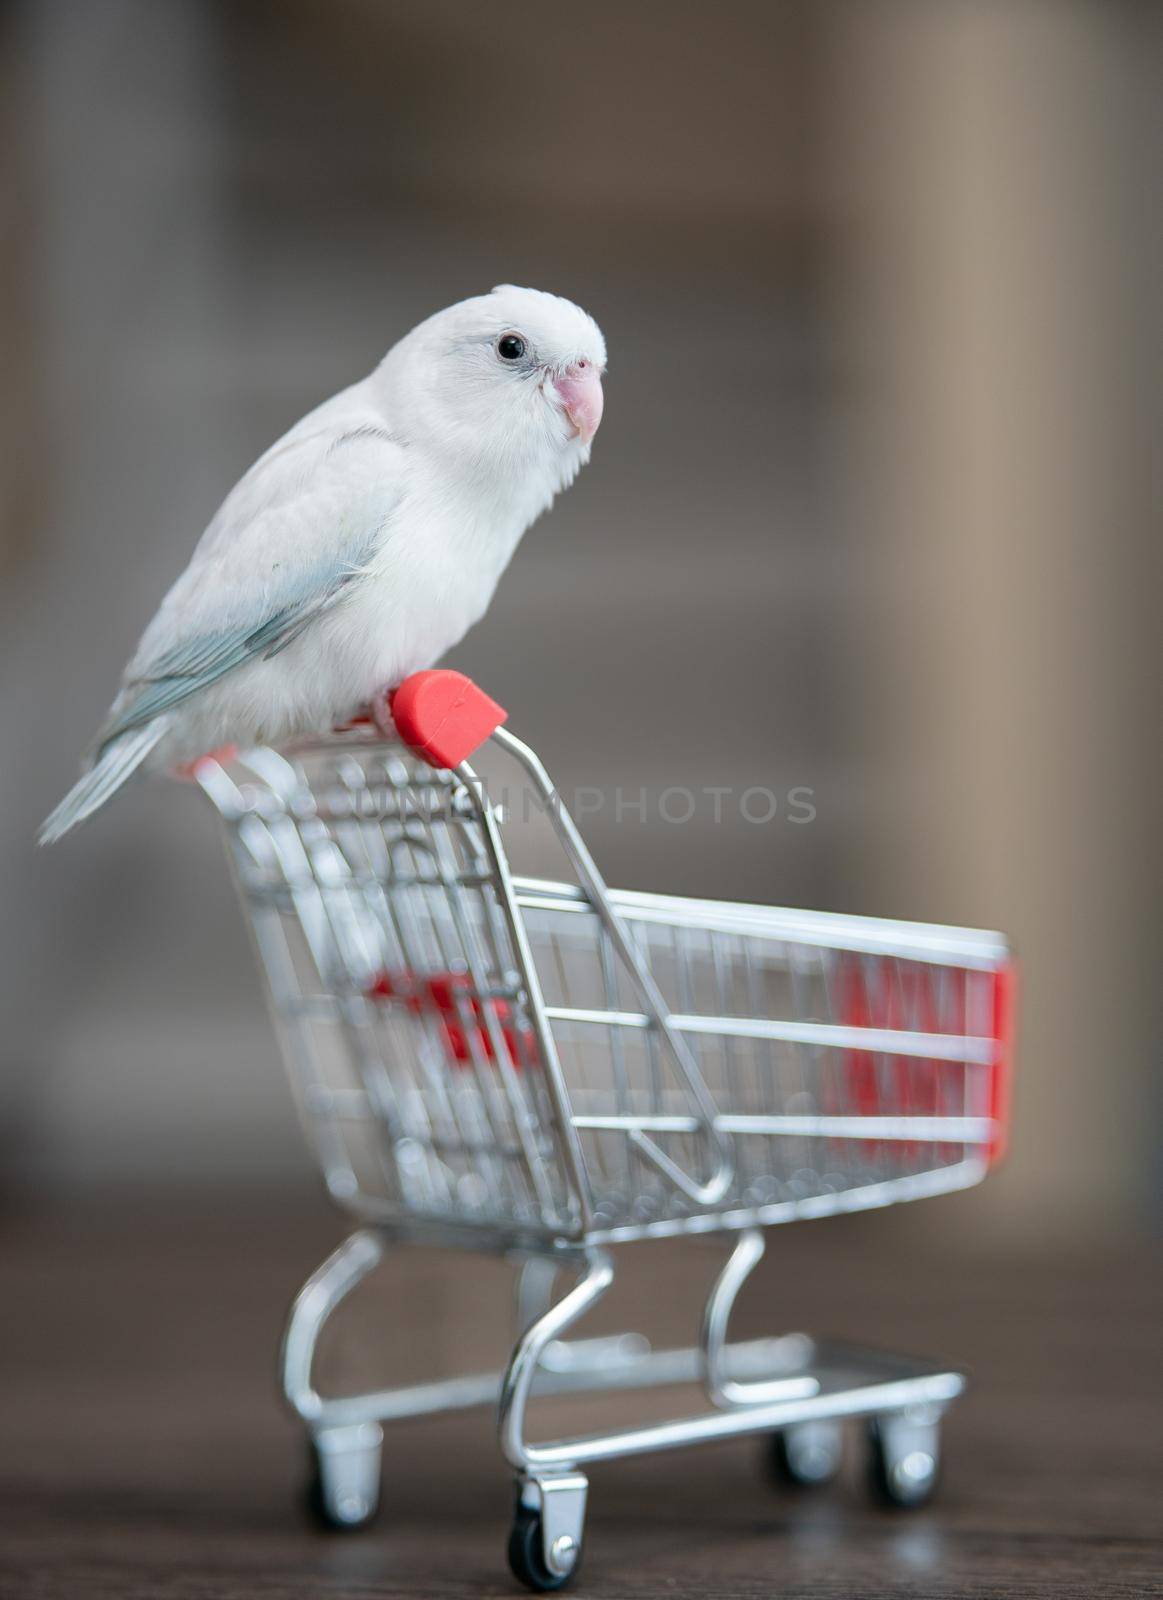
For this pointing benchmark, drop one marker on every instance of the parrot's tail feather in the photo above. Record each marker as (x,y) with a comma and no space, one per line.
(114,765)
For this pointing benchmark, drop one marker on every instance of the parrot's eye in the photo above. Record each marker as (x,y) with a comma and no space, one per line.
(510,347)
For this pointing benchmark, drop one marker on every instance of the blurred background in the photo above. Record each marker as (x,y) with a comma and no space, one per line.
(870,513)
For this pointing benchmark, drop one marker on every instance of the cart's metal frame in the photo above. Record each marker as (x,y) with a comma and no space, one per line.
(788,1385)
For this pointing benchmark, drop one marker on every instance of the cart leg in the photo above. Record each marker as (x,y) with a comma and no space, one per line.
(345,1484)
(535,1283)
(345,1489)
(722,1390)
(905,1455)
(546,1539)
(344,1270)
(526,1358)
(808,1454)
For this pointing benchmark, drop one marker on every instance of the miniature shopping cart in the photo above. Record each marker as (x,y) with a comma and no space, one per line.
(552,1069)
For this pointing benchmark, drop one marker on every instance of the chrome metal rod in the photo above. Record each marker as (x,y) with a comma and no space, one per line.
(658,1013)
(522,1368)
(574,1161)
(922,1130)
(724,1390)
(888,1041)
(896,1389)
(873,1399)
(567,1369)
(343,1271)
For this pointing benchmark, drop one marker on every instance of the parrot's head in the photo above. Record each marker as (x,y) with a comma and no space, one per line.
(509,381)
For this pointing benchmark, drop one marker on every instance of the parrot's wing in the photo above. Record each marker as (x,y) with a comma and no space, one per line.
(287,545)
(197,662)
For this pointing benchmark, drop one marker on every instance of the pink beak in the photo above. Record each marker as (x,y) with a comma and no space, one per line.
(579,388)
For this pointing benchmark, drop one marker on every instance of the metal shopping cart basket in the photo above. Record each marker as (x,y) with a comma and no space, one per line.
(552,1069)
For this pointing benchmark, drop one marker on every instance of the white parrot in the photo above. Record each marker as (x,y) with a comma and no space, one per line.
(364,543)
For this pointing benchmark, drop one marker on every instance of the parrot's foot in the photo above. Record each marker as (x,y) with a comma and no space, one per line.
(377,713)
(442,716)
(380,711)
(187,771)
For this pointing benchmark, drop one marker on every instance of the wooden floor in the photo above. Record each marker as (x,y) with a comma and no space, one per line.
(145,1453)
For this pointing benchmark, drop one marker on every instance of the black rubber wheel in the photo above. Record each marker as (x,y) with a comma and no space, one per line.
(788,1469)
(887,1489)
(526,1561)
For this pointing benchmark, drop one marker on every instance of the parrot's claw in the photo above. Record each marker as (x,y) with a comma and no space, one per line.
(380,711)
(376,713)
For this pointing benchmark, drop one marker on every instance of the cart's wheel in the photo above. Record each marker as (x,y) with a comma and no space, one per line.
(526,1558)
(343,1514)
(807,1455)
(343,1488)
(904,1457)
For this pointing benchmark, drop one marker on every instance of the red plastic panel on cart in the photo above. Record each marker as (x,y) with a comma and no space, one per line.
(1005,1018)
(443,717)
(887,993)
(462,1016)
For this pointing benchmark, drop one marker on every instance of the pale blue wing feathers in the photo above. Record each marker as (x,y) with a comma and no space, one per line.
(193,664)
(288,543)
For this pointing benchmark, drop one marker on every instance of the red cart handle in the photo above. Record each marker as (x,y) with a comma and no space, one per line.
(443,717)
